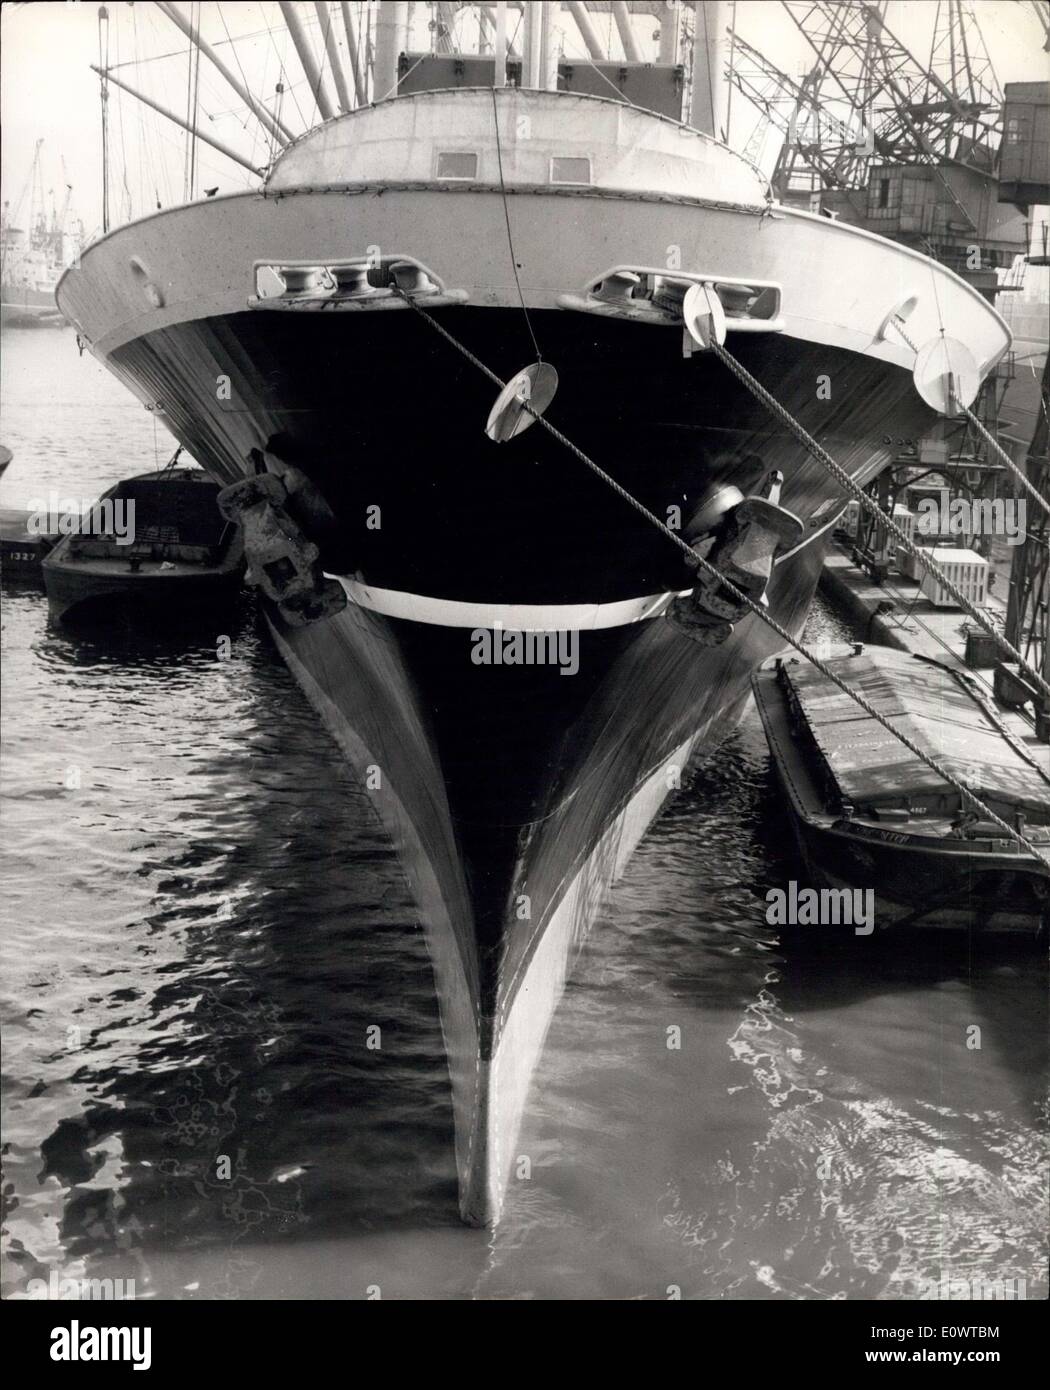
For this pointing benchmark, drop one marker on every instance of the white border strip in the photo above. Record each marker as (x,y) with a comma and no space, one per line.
(515,617)
(531,617)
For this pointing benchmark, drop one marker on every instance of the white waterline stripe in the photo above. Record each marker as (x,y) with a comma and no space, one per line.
(515,617)
(527,617)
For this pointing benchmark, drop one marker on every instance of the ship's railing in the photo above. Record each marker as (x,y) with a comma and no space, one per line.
(654,294)
(371,281)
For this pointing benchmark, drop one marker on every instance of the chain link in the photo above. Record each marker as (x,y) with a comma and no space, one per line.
(872,507)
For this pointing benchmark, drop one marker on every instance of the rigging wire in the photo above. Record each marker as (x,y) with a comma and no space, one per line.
(268,136)
(196,108)
(324,47)
(236,54)
(126,206)
(290,87)
(711,86)
(140,123)
(510,238)
(400,79)
(193,56)
(1005,459)
(370,20)
(732,65)
(218,43)
(620,95)
(103,62)
(186,136)
(278,109)
(204,162)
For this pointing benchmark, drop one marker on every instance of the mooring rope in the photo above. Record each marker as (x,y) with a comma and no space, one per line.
(738,594)
(872,507)
(1005,459)
(989,439)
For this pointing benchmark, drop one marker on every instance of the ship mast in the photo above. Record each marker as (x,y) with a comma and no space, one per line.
(499,46)
(325,20)
(343,79)
(710,90)
(391,39)
(314,75)
(172,116)
(357,70)
(275,127)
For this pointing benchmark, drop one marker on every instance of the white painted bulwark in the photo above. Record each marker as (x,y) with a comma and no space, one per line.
(629,149)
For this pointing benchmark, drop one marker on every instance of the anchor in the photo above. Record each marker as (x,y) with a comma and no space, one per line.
(747,542)
(281,561)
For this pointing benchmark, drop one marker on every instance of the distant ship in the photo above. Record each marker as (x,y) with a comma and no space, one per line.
(32,258)
(406,558)
(27,286)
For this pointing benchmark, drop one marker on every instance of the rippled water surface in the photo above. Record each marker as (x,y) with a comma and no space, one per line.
(202,921)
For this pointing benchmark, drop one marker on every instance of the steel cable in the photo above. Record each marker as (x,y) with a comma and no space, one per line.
(757,609)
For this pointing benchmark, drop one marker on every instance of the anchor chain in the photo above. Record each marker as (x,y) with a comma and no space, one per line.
(1003,457)
(872,507)
(1006,460)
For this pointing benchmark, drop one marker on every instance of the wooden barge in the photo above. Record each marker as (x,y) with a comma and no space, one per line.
(172,552)
(868,814)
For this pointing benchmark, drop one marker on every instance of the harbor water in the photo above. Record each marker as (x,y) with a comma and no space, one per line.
(224,1068)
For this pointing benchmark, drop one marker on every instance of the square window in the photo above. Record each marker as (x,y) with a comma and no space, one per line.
(457,164)
(570,169)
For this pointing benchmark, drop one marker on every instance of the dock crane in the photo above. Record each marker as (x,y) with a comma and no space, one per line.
(919,152)
(931,131)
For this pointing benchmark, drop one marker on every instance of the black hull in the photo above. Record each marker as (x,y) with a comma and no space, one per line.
(522,785)
(391,416)
(514,793)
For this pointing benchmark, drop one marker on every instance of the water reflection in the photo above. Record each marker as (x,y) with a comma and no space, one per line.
(206,921)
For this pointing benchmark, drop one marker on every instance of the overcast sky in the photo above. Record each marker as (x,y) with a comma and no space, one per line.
(49,91)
